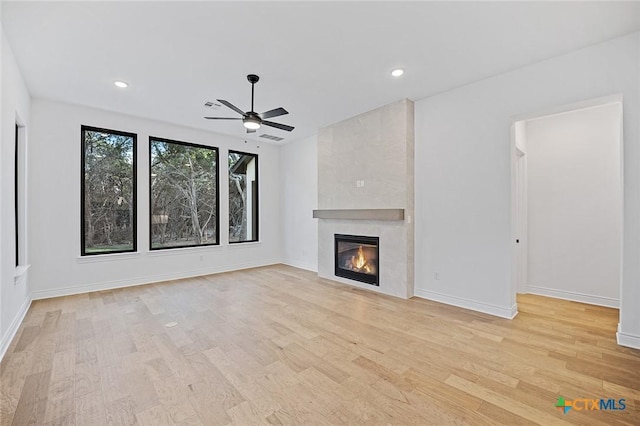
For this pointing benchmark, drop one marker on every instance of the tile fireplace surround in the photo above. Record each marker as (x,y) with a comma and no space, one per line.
(366,187)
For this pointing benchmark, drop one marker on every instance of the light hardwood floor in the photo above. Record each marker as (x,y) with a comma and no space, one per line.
(277,345)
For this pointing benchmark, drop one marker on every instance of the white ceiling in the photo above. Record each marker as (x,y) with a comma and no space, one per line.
(322,61)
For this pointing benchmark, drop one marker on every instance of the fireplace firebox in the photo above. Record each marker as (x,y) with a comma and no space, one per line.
(356,258)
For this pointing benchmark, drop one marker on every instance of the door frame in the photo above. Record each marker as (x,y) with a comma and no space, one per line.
(518,217)
(521,241)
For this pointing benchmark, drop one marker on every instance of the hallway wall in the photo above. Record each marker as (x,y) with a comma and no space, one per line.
(575,205)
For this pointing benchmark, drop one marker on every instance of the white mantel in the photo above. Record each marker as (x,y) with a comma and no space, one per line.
(366,187)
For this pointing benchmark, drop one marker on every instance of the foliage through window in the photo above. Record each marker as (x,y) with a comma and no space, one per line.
(183,194)
(243,197)
(108,191)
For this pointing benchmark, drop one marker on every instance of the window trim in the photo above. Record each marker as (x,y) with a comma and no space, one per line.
(193,145)
(257,227)
(134,190)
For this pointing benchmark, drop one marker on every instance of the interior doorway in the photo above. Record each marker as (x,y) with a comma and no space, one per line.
(567,199)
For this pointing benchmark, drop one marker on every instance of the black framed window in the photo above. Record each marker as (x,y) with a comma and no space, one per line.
(243,197)
(183,194)
(108,190)
(16,193)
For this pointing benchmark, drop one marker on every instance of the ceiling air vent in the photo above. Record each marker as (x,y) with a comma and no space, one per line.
(271,137)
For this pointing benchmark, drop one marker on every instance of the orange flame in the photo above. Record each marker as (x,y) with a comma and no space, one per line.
(359,261)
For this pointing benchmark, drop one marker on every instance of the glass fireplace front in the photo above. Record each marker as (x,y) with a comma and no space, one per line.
(356,258)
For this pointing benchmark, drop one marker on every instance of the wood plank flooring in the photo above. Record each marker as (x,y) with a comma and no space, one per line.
(279,346)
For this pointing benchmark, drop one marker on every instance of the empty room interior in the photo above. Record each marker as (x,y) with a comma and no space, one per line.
(285,213)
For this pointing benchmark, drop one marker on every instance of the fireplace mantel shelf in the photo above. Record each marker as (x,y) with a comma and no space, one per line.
(360,214)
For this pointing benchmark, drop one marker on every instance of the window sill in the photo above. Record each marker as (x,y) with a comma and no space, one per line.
(244,244)
(20,271)
(112,257)
(183,250)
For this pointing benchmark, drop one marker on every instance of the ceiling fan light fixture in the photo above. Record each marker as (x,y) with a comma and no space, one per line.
(251,123)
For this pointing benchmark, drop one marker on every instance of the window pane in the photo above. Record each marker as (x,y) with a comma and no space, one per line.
(243,197)
(108,191)
(184,194)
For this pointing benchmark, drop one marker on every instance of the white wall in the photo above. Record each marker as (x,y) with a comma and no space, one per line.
(15,100)
(299,183)
(54,198)
(575,205)
(463,183)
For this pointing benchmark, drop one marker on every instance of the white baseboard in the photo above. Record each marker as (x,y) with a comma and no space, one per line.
(460,302)
(13,328)
(305,266)
(574,296)
(629,340)
(110,285)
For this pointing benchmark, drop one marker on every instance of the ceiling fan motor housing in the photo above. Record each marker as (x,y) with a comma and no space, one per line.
(251,119)
(253,116)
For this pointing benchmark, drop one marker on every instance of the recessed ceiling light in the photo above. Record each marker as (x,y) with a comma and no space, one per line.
(397,72)
(121,84)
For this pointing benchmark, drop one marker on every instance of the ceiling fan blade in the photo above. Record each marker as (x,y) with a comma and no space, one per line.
(230,105)
(251,130)
(278,125)
(223,118)
(274,113)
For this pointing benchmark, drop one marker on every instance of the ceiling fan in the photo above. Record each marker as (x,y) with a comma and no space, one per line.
(251,119)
